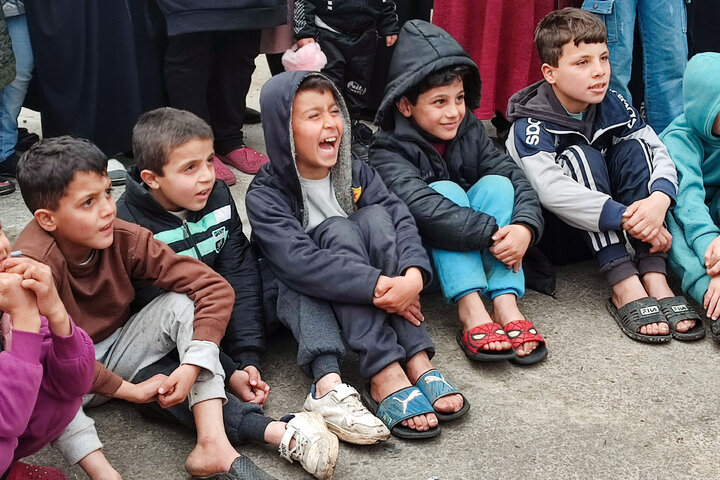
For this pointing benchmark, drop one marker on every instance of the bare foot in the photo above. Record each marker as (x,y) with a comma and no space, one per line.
(506,310)
(326,384)
(631,289)
(388,381)
(656,286)
(210,457)
(472,312)
(418,365)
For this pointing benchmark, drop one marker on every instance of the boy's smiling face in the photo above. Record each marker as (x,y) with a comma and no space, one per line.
(582,75)
(438,111)
(317,130)
(83,219)
(188,177)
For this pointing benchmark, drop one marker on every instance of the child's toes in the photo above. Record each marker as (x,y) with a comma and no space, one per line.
(432,420)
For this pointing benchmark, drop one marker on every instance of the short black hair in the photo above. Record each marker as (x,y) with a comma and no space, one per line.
(319,83)
(439,78)
(158,132)
(567,25)
(47,168)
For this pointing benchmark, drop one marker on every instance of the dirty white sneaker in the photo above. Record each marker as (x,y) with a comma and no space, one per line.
(346,416)
(316,448)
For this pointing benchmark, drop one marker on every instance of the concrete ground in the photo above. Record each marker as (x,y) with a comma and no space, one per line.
(601,406)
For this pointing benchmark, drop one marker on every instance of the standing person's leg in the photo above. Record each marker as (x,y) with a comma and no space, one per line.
(232,69)
(663,31)
(187,69)
(463,281)
(13,95)
(619,17)
(336,64)
(360,52)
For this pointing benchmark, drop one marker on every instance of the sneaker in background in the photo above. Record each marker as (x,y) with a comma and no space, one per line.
(116,172)
(245,159)
(346,416)
(6,186)
(223,173)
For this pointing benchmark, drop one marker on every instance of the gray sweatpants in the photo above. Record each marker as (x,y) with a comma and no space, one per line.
(164,324)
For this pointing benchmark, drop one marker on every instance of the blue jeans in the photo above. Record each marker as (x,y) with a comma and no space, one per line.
(13,96)
(663,29)
(461,273)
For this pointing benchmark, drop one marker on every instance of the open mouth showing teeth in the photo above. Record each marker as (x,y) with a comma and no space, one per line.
(598,86)
(328,143)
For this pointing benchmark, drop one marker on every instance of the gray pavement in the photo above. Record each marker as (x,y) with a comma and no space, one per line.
(601,406)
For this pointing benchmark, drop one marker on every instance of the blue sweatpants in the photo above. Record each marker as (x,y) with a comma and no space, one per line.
(623,172)
(461,273)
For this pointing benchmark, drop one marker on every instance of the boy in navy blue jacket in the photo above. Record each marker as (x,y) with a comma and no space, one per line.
(331,232)
(173,193)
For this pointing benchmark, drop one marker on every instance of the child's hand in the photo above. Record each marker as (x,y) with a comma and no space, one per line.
(661,242)
(143,392)
(19,303)
(644,218)
(304,41)
(38,278)
(712,257)
(390,40)
(176,387)
(396,294)
(260,389)
(413,313)
(711,300)
(4,246)
(510,244)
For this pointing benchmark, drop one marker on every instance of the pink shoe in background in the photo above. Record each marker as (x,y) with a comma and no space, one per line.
(23,471)
(245,159)
(223,173)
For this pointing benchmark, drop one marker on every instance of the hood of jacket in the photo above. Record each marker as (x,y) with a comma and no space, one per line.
(421,49)
(701,92)
(538,101)
(276,102)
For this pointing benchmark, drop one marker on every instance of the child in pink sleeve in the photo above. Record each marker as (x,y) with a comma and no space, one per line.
(46,365)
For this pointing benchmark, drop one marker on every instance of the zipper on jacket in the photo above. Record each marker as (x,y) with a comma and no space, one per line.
(186,229)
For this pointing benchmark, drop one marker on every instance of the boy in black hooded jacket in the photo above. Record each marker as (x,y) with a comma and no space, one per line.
(330,231)
(473,205)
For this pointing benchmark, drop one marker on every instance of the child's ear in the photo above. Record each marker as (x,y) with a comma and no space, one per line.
(404,106)
(548,72)
(46,219)
(150,179)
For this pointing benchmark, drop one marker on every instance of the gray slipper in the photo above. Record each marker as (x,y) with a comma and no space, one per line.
(636,314)
(116,172)
(242,468)
(677,309)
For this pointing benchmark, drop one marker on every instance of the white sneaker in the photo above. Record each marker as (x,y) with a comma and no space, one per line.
(347,417)
(316,448)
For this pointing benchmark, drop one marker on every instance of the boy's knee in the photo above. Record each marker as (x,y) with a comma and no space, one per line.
(451,191)
(333,230)
(370,216)
(501,187)
(583,155)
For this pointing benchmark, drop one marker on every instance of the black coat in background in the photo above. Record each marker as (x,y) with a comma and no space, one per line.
(97,69)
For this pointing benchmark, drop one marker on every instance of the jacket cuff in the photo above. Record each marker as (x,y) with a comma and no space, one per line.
(611,216)
(247,358)
(71,346)
(26,346)
(665,186)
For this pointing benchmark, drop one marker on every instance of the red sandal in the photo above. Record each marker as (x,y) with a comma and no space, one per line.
(520,332)
(24,471)
(473,341)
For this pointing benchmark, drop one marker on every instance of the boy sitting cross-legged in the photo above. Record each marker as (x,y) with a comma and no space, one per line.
(472,204)
(94,258)
(598,167)
(173,193)
(331,232)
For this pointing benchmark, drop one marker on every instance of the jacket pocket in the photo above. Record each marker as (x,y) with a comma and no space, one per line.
(604,8)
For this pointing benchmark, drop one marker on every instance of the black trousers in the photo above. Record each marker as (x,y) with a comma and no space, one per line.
(351,59)
(209,74)
(379,338)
